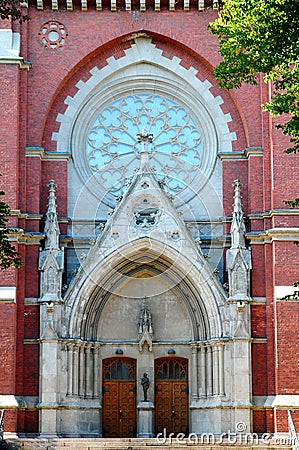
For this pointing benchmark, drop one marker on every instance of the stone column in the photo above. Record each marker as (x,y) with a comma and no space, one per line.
(75,369)
(203,390)
(96,371)
(69,369)
(194,376)
(215,350)
(48,387)
(221,369)
(88,361)
(49,372)
(82,370)
(242,396)
(209,372)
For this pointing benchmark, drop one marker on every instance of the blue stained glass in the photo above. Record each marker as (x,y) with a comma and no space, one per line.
(112,146)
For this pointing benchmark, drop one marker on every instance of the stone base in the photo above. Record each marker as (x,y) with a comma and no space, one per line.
(145,425)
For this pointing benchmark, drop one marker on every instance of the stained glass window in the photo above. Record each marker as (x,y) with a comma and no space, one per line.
(112,148)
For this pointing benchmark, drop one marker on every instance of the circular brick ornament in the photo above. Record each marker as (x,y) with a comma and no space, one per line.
(53,34)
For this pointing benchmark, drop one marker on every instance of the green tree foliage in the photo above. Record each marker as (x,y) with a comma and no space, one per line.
(262,36)
(8,254)
(13,9)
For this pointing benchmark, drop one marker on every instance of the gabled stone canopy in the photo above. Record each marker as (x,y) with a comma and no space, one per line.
(146,233)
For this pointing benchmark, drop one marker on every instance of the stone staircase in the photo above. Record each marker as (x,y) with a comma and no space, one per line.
(278,443)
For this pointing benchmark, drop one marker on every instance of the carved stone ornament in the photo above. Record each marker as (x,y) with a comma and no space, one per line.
(238,257)
(145,331)
(53,34)
(51,260)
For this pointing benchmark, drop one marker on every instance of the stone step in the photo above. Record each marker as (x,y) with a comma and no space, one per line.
(278,443)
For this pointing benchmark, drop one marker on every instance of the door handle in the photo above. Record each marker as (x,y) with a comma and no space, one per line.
(172,411)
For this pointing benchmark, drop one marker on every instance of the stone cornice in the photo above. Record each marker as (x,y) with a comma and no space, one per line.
(280,401)
(16,60)
(44,155)
(25,237)
(243,155)
(273,213)
(10,49)
(155,5)
(273,234)
(27,216)
(24,215)
(258,301)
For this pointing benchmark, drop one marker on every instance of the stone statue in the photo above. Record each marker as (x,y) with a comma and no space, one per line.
(145,332)
(145,385)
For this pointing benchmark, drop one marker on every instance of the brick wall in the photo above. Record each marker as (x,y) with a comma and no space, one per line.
(38,97)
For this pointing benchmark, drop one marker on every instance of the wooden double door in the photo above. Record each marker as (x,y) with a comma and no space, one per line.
(171,395)
(119,397)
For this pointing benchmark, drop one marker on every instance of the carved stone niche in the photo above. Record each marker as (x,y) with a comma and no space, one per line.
(146,211)
(145,331)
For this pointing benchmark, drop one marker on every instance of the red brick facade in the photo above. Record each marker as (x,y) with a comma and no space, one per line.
(30,102)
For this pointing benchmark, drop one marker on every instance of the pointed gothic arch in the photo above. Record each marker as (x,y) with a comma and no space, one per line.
(92,288)
(216,341)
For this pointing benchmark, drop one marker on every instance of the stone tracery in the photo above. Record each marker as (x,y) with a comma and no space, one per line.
(176,144)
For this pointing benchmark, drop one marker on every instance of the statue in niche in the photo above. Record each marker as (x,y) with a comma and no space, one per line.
(145,382)
(145,331)
(239,279)
(51,275)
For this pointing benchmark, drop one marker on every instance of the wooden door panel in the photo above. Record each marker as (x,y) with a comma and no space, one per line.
(127,402)
(180,407)
(171,396)
(110,409)
(119,397)
(163,406)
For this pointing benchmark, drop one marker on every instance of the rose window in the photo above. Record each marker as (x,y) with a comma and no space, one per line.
(53,34)
(113,149)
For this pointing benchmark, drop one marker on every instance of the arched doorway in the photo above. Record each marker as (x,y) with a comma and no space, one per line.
(119,397)
(171,395)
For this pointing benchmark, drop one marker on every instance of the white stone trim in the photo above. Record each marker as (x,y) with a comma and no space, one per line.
(273,234)
(245,154)
(8,402)
(144,68)
(7,293)
(276,401)
(31,301)
(281,291)
(258,301)
(9,44)
(44,155)
(274,213)
(10,49)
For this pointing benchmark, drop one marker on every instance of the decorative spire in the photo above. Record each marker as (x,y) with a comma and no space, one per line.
(51,226)
(145,327)
(145,323)
(238,257)
(51,258)
(237,227)
(144,138)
